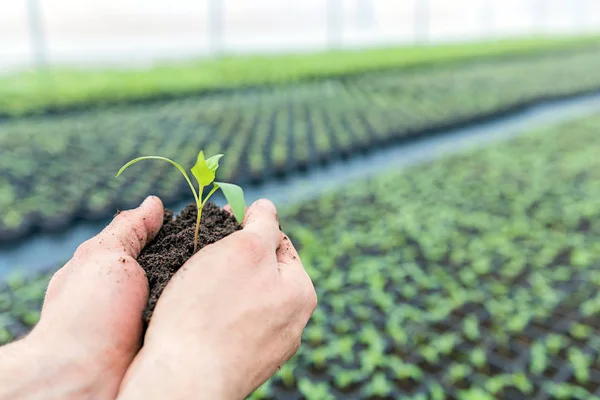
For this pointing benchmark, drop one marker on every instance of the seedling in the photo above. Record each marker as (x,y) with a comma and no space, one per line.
(286,374)
(314,390)
(204,171)
(539,358)
(343,379)
(580,363)
(478,357)
(378,387)
(436,391)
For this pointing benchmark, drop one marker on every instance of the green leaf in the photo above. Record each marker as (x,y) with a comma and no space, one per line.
(474,393)
(235,197)
(202,171)
(177,165)
(213,162)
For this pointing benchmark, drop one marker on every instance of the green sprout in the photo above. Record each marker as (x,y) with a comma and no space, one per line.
(204,171)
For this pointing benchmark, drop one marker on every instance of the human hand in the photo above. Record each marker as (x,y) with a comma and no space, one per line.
(90,327)
(91,322)
(228,319)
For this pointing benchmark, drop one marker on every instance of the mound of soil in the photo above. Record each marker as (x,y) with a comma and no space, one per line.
(174,245)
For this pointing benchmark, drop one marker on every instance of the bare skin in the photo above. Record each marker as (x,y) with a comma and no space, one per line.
(226,322)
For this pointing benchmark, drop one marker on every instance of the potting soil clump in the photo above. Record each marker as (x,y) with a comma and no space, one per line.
(174,245)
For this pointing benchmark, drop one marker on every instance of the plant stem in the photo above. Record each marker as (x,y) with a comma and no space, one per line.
(199,207)
(214,189)
(198,218)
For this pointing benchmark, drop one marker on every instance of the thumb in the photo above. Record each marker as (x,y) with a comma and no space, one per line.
(130,230)
(119,243)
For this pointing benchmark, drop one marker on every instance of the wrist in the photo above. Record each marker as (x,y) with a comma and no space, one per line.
(164,372)
(38,367)
(27,373)
(14,374)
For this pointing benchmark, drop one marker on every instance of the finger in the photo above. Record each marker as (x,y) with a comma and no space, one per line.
(296,278)
(286,253)
(131,230)
(261,219)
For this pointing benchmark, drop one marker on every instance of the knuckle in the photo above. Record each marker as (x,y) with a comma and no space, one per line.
(56,283)
(306,294)
(59,280)
(128,220)
(59,274)
(312,299)
(128,268)
(308,303)
(252,244)
(85,249)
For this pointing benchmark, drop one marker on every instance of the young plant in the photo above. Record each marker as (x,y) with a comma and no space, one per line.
(314,390)
(539,358)
(204,171)
(478,357)
(378,387)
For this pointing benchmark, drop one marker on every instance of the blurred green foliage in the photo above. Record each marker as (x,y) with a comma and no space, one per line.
(56,89)
(472,277)
(56,168)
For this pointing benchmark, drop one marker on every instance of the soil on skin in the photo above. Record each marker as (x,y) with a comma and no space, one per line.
(174,245)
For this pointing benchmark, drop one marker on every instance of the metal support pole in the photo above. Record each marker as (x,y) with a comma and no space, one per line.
(365,13)
(539,14)
(580,9)
(37,33)
(421,21)
(488,18)
(216,10)
(335,28)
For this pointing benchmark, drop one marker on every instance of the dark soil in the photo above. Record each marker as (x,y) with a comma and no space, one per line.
(174,245)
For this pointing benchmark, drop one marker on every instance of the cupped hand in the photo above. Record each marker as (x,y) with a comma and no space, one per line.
(228,319)
(91,322)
